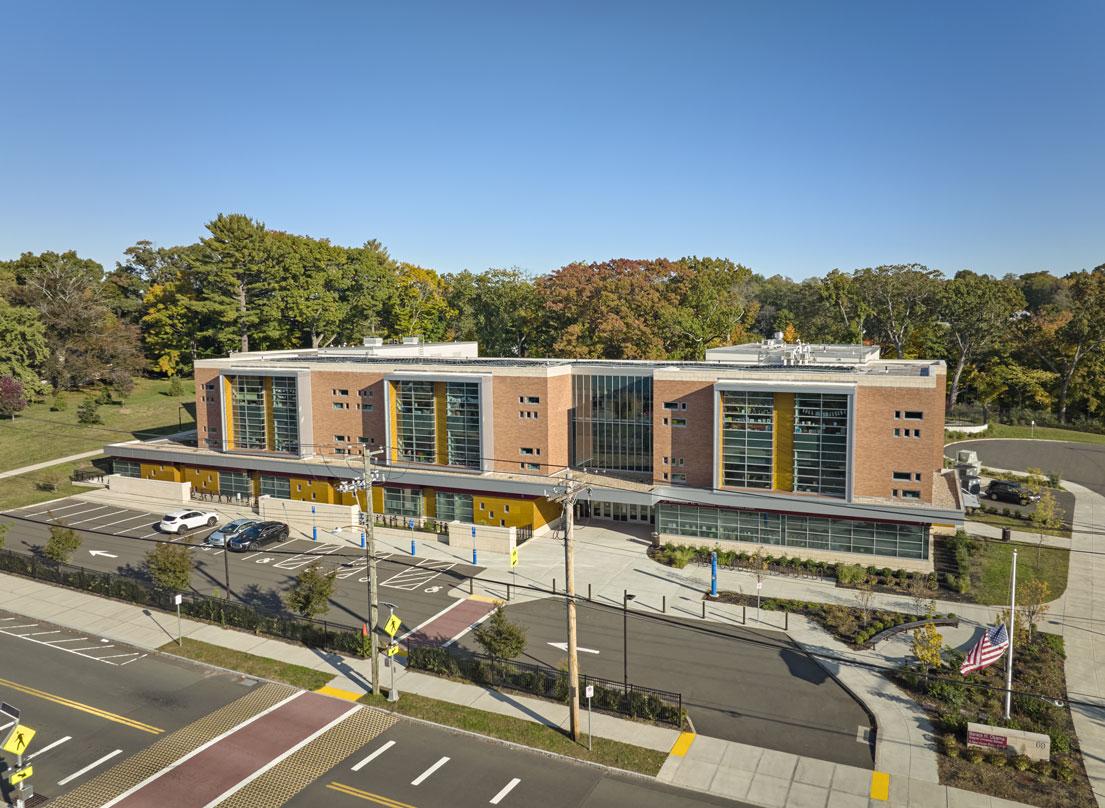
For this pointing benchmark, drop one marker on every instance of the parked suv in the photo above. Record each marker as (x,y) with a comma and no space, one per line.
(258,535)
(219,537)
(180,522)
(1008,491)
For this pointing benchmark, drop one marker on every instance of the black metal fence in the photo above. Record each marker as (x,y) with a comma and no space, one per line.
(633,701)
(321,634)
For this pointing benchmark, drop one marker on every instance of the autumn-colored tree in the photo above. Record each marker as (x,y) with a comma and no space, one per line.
(928,643)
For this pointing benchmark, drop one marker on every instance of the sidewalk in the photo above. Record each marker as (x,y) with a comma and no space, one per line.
(57,461)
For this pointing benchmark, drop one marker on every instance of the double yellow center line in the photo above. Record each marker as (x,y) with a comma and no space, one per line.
(84,708)
(387,802)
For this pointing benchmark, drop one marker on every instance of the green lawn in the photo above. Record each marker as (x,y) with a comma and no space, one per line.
(250,664)
(38,434)
(1040,433)
(527,733)
(990,566)
(1016,524)
(27,489)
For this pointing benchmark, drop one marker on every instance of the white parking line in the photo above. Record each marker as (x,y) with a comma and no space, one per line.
(283,543)
(117,656)
(148,535)
(121,664)
(89,767)
(78,651)
(303,559)
(55,642)
(48,747)
(55,510)
(91,519)
(506,790)
(373,756)
(89,648)
(13,628)
(418,780)
(128,519)
(40,633)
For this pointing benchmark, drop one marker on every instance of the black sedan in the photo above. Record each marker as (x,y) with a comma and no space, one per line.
(1008,491)
(258,535)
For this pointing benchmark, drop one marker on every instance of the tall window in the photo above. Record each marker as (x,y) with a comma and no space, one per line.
(248,410)
(746,439)
(403,501)
(285,415)
(821,443)
(415,410)
(235,482)
(612,422)
(279,487)
(462,424)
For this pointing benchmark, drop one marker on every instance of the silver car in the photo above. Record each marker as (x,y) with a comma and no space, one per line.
(228,531)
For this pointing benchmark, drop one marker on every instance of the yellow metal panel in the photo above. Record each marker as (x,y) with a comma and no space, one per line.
(228,408)
(441,428)
(302,488)
(544,512)
(429,502)
(377,499)
(202,479)
(270,423)
(157,471)
(393,409)
(519,515)
(782,441)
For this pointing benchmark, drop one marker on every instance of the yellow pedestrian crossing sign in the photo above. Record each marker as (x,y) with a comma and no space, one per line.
(392,625)
(513,556)
(21,775)
(18,740)
(393,649)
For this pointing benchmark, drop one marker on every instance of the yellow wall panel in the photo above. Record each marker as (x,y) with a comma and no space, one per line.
(270,424)
(545,511)
(505,511)
(783,442)
(303,489)
(202,479)
(429,502)
(228,408)
(393,429)
(441,434)
(159,471)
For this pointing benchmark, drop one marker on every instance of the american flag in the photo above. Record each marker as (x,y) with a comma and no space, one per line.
(987,650)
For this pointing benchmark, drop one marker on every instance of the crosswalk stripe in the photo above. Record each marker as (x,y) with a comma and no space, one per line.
(357,767)
(506,790)
(422,777)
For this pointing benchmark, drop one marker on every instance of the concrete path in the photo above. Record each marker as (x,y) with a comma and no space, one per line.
(57,461)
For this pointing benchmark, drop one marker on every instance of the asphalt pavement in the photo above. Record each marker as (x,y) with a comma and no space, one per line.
(94,702)
(415,765)
(1082,463)
(115,539)
(738,684)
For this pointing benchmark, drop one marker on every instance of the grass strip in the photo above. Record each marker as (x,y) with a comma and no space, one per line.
(527,733)
(1016,524)
(991,562)
(249,664)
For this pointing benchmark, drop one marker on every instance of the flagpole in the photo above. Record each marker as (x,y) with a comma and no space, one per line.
(1012,628)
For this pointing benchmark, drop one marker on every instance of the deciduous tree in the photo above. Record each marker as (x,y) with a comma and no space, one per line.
(12,400)
(310,594)
(170,566)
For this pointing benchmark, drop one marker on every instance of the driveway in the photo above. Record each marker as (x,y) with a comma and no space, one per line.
(1082,463)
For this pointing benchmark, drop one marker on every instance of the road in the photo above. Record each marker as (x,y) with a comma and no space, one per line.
(120,727)
(93,702)
(754,687)
(404,769)
(117,539)
(1082,463)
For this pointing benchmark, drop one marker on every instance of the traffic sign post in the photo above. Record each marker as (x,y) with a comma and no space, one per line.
(589,691)
(16,743)
(18,740)
(513,570)
(179,599)
(391,627)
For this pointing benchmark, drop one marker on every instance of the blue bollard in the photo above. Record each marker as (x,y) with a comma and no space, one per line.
(314,533)
(713,574)
(412,548)
(364,540)
(474,561)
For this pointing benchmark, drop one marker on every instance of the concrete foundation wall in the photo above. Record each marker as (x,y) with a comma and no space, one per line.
(892,562)
(489,538)
(153,489)
(326,517)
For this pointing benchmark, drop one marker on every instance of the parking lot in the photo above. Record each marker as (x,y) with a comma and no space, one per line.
(116,539)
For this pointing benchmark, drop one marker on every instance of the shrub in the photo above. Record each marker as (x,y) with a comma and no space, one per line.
(59,404)
(1060,743)
(951,745)
(975,755)
(999,759)
(88,411)
(1021,763)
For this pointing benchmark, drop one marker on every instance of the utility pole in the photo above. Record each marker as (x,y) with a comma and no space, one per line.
(365,484)
(566,496)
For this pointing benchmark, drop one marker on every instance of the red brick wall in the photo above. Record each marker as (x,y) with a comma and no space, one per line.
(694,442)
(208,418)
(547,433)
(350,422)
(878,453)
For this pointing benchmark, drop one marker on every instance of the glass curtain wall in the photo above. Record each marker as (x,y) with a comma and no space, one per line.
(452,507)
(414,409)
(612,423)
(279,487)
(235,482)
(840,535)
(821,443)
(462,424)
(248,408)
(403,501)
(746,438)
(285,415)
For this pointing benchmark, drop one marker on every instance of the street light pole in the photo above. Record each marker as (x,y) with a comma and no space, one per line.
(365,484)
(626,597)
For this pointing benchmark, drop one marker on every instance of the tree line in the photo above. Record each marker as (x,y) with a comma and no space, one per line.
(1034,341)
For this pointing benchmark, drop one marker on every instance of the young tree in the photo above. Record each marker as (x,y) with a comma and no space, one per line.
(928,643)
(921,595)
(63,542)
(499,638)
(864,596)
(88,411)
(311,592)
(170,566)
(1034,595)
(12,400)
(1046,516)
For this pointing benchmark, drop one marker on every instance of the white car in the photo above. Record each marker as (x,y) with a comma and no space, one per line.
(180,522)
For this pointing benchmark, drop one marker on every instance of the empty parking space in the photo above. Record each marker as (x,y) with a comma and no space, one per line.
(87,515)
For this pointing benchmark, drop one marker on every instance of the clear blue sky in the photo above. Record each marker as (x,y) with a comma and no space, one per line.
(793,137)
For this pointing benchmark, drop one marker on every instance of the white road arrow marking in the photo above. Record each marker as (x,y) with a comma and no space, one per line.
(563,646)
(104,553)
